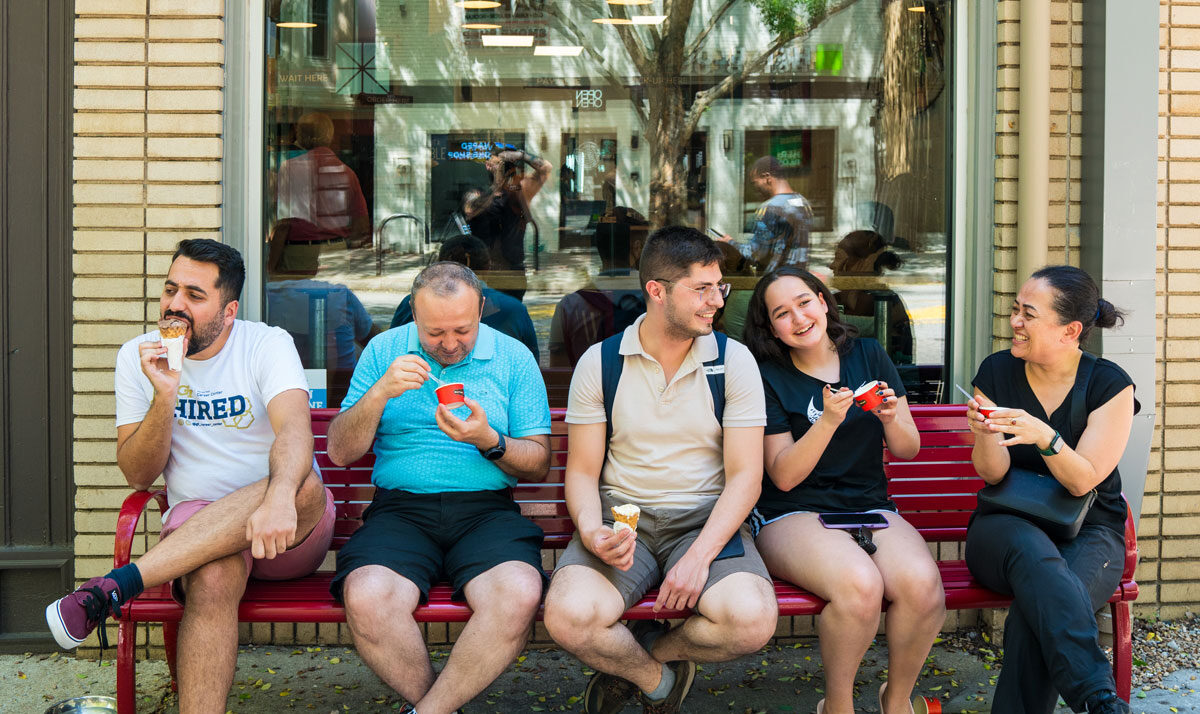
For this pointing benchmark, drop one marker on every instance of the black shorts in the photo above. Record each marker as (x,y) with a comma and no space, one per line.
(428,537)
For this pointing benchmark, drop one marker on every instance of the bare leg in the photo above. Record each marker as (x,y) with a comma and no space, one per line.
(735,617)
(379,606)
(219,529)
(504,600)
(834,567)
(913,586)
(583,615)
(208,636)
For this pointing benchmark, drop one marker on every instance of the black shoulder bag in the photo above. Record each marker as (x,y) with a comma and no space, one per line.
(1040,498)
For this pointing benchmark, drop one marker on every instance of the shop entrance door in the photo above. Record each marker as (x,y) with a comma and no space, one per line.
(36,534)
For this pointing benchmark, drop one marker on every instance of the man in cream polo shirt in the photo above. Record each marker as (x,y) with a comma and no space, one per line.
(695,480)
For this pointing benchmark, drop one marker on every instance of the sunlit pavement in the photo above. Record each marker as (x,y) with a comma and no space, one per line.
(786,678)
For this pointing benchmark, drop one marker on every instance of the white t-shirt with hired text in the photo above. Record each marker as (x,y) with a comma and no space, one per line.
(221,435)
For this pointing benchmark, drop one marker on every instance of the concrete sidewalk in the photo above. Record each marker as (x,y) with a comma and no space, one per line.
(784,678)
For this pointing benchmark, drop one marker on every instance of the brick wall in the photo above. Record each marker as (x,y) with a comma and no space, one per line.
(147,172)
(1066,128)
(1170,528)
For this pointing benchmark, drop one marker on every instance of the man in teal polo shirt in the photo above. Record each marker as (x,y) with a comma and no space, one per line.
(443,507)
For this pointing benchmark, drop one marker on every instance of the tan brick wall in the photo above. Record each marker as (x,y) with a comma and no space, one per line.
(1170,527)
(1066,129)
(147,151)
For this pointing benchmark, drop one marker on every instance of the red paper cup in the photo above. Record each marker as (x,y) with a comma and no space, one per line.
(926,705)
(869,396)
(451,395)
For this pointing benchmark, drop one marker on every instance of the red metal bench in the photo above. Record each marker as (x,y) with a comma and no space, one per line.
(935,492)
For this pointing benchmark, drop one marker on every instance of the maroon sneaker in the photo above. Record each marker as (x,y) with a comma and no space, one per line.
(72,618)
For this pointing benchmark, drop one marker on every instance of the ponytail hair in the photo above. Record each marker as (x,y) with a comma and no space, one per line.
(1077,298)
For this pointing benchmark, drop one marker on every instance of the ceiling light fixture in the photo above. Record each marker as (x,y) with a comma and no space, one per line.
(917,6)
(649,19)
(296,25)
(558,50)
(612,21)
(477,4)
(480,26)
(630,2)
(507,40)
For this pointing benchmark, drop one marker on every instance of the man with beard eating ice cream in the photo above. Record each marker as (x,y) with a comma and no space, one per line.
(231,435)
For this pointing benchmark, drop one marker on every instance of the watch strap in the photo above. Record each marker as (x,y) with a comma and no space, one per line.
(1050,449)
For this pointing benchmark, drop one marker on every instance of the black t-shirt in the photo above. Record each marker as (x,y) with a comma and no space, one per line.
(1002,380)
(849,475)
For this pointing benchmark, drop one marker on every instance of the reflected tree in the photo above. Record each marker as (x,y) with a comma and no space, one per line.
(660,54)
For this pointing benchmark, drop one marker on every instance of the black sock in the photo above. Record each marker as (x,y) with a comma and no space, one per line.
(129,582)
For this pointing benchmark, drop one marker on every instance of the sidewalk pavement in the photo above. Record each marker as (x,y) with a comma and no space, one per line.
(785,678)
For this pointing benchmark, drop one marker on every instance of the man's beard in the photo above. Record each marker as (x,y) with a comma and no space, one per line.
(681,329)
(204,335)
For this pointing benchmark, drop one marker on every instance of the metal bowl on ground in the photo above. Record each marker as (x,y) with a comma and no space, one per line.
(84,705)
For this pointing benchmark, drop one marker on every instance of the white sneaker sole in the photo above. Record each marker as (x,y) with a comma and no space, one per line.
(59,629)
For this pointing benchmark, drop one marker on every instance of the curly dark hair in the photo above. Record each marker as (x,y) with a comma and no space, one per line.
(763,343)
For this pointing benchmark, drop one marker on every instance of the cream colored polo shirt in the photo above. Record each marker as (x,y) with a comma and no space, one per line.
(666,448)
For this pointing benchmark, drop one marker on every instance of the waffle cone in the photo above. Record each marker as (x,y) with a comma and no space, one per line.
(625,516)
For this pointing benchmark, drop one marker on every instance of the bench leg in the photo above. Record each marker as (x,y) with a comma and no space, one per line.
(170,638)
(126,667)
(1122,649)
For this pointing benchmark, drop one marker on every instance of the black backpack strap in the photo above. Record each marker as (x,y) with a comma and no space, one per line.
(714,370)
(1083,376)
(611,364)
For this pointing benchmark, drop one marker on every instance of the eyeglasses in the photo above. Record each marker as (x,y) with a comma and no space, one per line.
(705,292)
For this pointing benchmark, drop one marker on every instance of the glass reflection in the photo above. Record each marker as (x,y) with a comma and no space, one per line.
(559,134)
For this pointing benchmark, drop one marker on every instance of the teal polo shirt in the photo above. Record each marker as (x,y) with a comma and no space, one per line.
(411,452)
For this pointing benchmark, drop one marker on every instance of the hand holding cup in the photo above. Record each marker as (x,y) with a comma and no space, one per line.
(888,404)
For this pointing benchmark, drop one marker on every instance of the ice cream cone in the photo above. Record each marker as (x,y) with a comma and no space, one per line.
(172,333)
(625,516)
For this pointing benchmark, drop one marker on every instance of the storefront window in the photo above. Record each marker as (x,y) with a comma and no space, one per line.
(542,141)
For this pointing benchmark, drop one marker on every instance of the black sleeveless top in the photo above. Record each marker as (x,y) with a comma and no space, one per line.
(1002,380)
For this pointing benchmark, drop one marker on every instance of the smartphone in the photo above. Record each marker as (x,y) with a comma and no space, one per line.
(853,520)
(732,549)
(716,233)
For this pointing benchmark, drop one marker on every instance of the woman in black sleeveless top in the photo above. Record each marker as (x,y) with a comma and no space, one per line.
(1050,637)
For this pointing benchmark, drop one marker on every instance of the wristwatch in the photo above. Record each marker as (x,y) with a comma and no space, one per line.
(496,452)
(1055,447)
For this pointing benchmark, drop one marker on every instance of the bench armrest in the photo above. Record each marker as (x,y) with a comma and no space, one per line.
(131,512)
(1131,549)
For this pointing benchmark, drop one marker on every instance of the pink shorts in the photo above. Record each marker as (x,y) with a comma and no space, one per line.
(299,560)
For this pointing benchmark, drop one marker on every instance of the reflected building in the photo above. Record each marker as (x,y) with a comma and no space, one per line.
(628,106)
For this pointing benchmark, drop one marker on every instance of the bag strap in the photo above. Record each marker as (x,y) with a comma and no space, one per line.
(612,363)
(1083,377)
(714,370)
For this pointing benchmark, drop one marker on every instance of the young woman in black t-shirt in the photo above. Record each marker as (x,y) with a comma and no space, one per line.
(824,454)
(1051,644)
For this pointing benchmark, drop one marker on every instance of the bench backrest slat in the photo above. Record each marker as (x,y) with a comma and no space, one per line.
(935,490)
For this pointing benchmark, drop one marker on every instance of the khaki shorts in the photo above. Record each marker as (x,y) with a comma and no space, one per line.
(663,536)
